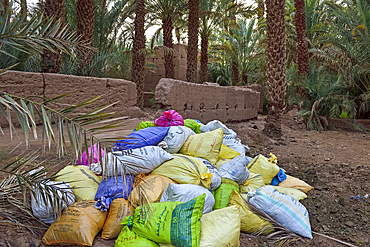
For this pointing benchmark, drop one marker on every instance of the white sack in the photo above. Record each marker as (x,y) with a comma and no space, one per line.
(216,177)
(44,210)
(186,192)
(136,161)
(176,137)
(234,144)
(235,169)
(215,124)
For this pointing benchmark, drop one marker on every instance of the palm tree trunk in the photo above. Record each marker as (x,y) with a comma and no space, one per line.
(302,46)
(204,59)
(138,52)
(276,66)
(23,7)
(50,61)
(85,29)
(261,6)
(245,78)
(235,69)
(169,66)
(192,54)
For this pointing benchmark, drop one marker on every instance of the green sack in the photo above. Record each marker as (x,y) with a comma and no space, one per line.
(222,194)
(128,238)
(145,124)
(174,223)
(193,125)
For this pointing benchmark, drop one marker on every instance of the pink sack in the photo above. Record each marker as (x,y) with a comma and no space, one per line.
(169,118)
(83,160)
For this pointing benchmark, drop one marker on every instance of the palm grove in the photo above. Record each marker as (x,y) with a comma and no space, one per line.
(314,54)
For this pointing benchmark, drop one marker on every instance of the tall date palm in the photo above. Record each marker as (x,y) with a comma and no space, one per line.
(192,54)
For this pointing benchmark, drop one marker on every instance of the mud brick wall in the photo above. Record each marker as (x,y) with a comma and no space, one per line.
(51,85)
(208,101)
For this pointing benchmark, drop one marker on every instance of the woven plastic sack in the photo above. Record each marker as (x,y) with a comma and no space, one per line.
(296,194)
(250,222)
(176,137)
(206,145)
(216,177)
(286,210)
(193,125)
(118,211)
(145,124)
(186,192)
(235,169)
(150,136)
(185,170)
(216,124)
(83,181)
(78,225)
(174,223)
(263,166)
(93,155)
(169,118)
(153,187)
(220,228)
(234,144)
(220,162)
(222,194)
(292,182)
(128,238)
(136,161)
(42,209)
(111,189)
(280,177)
(227,153)
(254,181)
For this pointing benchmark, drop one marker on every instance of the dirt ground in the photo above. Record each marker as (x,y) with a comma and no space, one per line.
(335,162)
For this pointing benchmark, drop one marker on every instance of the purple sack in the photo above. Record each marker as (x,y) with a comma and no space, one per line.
(83,160)
(169,118)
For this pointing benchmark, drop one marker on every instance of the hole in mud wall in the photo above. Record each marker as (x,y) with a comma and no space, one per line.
(201,106)
(217,106)
(185,106)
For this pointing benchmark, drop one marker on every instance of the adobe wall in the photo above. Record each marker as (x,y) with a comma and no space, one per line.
(208,101)
(51,85)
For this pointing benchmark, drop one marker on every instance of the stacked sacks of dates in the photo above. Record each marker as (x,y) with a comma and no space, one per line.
(182,183)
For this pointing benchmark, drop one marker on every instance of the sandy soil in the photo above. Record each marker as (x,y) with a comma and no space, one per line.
(335,162)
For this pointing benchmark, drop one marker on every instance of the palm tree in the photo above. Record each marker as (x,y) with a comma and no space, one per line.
(24,7)
(4,6)
(51,61)
(192,54)
(302,45)
(167,11)
(85,29)
(276,66)
(138,52)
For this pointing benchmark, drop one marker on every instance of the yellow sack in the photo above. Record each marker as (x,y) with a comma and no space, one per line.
(83,181)
(261,165)
(227,153)
(78,224)
(254,181)
(153,186)
(206,145)
(220,228)
(296,194)
(292,182)
(250,222)
(185,170)
(119,209)
(220,162)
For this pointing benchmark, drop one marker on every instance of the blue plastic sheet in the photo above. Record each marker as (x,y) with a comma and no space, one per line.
(150,136)
(280,177)
(113,188)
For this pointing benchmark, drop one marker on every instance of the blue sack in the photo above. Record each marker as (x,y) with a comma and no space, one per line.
(150,136)
(280,177)
(112,188)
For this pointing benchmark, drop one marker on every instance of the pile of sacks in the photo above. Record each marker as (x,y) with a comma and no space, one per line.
(196,179)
